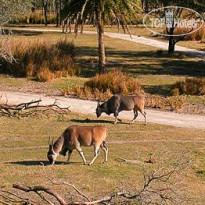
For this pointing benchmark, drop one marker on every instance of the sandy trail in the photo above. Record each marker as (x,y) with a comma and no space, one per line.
(88,107)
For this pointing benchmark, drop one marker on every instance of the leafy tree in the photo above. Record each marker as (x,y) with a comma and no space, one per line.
(101,12)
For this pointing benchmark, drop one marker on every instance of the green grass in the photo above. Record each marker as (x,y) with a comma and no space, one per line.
(68,83)
(11,81)
(23,145)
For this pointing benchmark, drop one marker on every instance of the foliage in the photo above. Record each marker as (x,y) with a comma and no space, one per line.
(12,9)
(191,86)
(174,103)
(100,12)
(195,36)
(115,81)
(41,60)
(105,85)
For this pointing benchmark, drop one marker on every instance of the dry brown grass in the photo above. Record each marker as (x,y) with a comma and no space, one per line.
(195,36)
(40,59)
(174,103)
(191,86)
(104,86)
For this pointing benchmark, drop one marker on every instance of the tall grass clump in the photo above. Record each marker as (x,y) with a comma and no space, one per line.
(194,36)
(41,60)
(115,81)
(191,86)
(104,86)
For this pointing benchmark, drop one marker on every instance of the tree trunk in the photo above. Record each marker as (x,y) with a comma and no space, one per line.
(57,14)
(60,7)
(172,43)
(101,45)
(45,12)
(146,6)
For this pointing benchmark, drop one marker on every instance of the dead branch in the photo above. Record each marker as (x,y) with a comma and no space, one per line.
(30,108)
(67,184)
(38,189)
(147,194)
(10,197)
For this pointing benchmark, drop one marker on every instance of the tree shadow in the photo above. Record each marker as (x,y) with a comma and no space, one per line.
(158,89)
(26,33)
(97,121)
(142,62)
(36,163)
(91,121)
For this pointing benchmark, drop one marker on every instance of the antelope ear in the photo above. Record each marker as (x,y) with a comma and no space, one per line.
(50,147)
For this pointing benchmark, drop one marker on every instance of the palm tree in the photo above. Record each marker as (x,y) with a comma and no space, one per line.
(101,12)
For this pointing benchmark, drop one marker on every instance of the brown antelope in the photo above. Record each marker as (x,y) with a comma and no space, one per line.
(76,136)
(118,103)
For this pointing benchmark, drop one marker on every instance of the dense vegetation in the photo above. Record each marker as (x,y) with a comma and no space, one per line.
(39,59)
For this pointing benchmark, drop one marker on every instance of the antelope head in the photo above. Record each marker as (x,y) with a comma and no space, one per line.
(52,155)
(101,108)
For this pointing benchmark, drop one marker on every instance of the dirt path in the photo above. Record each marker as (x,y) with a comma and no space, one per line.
(88,107)
(135,39)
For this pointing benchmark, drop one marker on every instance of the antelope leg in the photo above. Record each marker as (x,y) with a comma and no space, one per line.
(135,116)
(145,116)
(115,121)
(105,149)
(69,156)
(80,151)
(96,153)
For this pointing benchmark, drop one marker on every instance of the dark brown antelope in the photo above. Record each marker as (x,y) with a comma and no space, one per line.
(118,103)
(76,136)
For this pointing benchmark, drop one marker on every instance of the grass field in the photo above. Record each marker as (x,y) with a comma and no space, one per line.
(138,30)
(25,145)
(155,72)
(141,61)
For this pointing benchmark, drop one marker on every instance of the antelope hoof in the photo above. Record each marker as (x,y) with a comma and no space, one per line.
(131,123)
(115,123)
(89,164)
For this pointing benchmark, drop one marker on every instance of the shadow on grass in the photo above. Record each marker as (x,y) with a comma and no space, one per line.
(142,62)
(27,33)
(98,121)
(91,121)
(158,89)
(36,163)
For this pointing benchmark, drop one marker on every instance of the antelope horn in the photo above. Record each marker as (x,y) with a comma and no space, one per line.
(49,140)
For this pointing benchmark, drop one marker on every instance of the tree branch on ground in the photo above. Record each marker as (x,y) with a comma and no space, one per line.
(30,108)
(157,188)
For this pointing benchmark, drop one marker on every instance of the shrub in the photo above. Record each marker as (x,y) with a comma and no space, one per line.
(114,81)
(104,86)
(41,60)
(174,103)
(191,86)
(195,36)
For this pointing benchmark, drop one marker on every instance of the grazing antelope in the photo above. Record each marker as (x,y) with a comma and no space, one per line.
(118,103)
(76,136)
